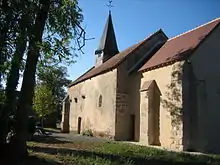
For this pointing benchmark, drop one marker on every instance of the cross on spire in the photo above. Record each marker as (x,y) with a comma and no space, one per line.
(109,5)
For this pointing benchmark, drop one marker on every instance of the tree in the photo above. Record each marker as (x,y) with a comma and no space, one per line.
(6,16)
(27,89)
(48,26)
(55,78)
(15,23)
(60,21)
(44,101)
(11,12)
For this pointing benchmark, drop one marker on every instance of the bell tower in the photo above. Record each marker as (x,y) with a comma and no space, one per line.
(108,46)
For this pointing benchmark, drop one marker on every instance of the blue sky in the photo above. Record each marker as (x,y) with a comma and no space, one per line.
(134,20)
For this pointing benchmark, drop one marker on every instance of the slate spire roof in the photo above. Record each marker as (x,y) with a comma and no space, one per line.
(108,44)
(175,49)
(114,61)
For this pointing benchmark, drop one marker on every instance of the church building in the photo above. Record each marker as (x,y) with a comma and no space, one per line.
(159,92)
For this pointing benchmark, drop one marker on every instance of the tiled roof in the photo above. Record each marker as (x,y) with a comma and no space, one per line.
(112,62)
(178,47)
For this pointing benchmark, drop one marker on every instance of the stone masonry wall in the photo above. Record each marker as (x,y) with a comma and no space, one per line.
(121,102)
(122,127)
(96,116)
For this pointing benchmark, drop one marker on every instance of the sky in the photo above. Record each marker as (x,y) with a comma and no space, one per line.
(134,20)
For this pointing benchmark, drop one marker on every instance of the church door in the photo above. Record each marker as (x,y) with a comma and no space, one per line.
(79,125)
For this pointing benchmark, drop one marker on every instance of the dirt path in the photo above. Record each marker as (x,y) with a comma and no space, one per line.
(75,137)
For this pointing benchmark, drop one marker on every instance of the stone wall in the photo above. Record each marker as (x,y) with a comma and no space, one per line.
(121,102)
(177,138)
(65,115)
(134,102)
(206,70)
(149,113)
(144,107)
(99,118)
(162,76)
(122,127)
(128,83)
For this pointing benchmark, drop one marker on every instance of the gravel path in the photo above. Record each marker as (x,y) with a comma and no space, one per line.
(74,137)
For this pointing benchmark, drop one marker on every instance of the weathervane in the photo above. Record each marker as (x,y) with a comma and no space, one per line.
(109,5)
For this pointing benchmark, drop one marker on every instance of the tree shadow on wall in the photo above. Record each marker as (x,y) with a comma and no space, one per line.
(182,103)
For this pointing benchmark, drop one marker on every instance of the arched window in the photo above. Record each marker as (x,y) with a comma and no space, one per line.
(100,100)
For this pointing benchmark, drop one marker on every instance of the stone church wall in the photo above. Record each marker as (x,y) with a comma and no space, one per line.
(206,70)
(199,89)
(134,102)
(128,84)
(169,136)
(122,127)
(94,101)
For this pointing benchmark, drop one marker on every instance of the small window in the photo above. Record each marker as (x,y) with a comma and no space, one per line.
(76,100)
(100,100)
(83,96)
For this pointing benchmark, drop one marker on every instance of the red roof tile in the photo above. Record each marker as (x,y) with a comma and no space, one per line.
(178,47)
(111,63)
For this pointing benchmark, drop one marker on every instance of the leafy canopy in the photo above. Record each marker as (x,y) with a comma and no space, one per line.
(43,101)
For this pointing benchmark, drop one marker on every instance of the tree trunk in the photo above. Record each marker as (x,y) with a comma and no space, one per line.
(13,78)
(3,45)
(27,89)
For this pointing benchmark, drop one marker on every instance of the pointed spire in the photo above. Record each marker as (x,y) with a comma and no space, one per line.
(108,45)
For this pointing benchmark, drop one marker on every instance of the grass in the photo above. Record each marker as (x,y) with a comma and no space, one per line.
(114,153)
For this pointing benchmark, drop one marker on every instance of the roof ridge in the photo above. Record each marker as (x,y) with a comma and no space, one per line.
(117,60)
(180,49)
(140,43)
(200,26)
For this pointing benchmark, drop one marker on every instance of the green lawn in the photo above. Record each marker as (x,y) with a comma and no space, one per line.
(51,151)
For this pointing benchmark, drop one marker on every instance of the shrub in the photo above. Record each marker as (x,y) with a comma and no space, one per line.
(88,133)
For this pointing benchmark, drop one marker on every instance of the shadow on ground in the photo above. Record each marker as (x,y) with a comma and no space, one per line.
(116,158)
(30,160)
(47,140)
(33,160)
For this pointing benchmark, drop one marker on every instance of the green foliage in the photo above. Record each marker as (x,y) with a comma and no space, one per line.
(173,100)
(62,27)
(40,31)
(15,18)
(43,101)
(87,133)
(2,97)
(55,78)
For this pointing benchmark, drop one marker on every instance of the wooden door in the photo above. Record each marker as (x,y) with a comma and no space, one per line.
(79,124)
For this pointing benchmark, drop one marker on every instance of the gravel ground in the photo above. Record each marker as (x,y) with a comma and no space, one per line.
(75,137)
